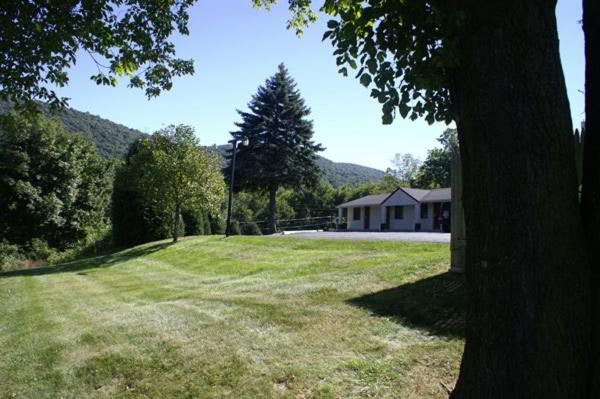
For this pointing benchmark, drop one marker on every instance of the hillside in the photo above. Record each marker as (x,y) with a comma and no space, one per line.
(113,139)
(337,173)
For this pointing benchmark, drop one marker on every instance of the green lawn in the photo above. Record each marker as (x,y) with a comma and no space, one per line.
(244,317)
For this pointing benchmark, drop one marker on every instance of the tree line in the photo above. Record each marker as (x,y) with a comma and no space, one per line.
(61,199)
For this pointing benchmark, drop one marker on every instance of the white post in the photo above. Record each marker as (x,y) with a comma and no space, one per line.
(417,215)
(340,217)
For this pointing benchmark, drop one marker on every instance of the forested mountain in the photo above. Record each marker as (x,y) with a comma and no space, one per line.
(113,139)
(337,173)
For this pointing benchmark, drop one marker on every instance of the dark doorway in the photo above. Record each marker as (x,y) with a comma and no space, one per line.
(446,217)
(367,218)
(437,214)
(388,217)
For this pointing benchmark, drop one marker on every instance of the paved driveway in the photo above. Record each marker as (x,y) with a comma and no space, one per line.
(376,236)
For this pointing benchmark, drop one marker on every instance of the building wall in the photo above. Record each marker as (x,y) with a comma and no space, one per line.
(374,222)
(407,223)
(375,219)
(412,215)
(355,224)
(427,224)
(399,198)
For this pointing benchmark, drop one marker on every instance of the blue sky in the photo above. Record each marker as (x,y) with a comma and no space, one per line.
(236,47)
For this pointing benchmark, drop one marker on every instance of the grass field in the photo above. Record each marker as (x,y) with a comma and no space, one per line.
(244,317)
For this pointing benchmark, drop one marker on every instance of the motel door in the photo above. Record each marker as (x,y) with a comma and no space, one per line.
(367,218)
(436,215)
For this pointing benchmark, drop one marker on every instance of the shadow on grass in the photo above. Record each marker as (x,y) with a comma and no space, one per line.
(436,304)
(96,262)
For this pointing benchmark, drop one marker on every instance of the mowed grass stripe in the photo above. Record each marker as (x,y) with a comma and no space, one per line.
(207,317)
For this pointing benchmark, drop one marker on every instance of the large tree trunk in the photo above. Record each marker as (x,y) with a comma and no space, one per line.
(590,197)
(273,208)
(528,322)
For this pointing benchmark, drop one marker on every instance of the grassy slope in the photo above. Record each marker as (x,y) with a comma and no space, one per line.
(242,318)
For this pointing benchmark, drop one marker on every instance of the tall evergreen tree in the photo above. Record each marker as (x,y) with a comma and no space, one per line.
(281,152)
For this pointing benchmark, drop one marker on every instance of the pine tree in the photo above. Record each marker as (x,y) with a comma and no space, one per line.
(281,152)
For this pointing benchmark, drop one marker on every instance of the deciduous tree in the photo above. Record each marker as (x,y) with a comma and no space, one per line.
(174,172)
(406,169)
(53,184)
(435,170)
(40,41)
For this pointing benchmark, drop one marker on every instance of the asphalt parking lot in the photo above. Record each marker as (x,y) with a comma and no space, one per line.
(373,236)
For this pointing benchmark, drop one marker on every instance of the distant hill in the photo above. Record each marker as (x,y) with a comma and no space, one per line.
(337,173)
(113,140)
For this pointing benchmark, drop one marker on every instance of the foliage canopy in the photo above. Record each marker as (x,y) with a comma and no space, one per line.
(53,184)
(174,172)
(41,41)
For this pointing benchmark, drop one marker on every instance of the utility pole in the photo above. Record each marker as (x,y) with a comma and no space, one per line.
(234,145)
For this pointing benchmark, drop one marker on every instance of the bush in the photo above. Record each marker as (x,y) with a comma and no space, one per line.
(206,227)
(194,223)
(10,257)
(95,243)
(217,224)
(235,228)
(39,250)
(134,221)
(250,229)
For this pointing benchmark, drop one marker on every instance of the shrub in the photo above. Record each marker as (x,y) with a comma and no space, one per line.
(39,250)
(235,228)
(95,243)
(250,229)
(206,227)
(194,223)
(134,221)
(10,257)
(217,224)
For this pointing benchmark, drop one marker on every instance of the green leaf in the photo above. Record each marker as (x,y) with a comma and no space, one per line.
(387,119)
(404,109)
(332,24)
(365,80)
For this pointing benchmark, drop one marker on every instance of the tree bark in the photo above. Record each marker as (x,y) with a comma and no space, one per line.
(590,195)
(528,321)
(273,208)
(176,223)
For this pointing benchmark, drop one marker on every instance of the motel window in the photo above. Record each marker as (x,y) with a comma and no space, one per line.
(398,212)
(424,208)
(356,213)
